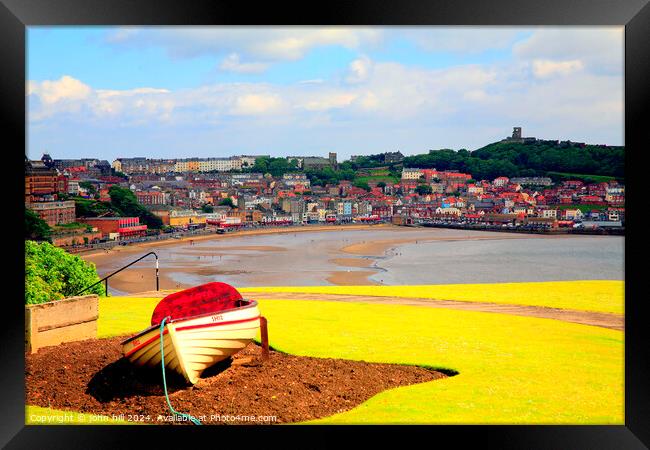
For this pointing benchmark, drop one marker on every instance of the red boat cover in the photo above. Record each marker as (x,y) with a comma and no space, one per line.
(203,299)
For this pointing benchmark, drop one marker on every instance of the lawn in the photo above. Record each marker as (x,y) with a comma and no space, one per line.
(587,178)
(377,178)
(510,369)
(592,295)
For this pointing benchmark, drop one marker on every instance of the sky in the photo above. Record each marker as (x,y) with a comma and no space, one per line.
(179,92)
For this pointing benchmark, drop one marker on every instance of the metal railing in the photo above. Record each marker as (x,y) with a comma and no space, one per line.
(105,279)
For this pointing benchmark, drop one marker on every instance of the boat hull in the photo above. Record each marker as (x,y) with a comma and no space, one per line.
(193,344)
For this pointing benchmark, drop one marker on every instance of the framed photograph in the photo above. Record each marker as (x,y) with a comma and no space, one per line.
(346,217)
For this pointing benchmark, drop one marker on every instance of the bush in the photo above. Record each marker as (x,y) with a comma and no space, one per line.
(362,185)
(35,227)
(227,202)
(52,274)
(125,202)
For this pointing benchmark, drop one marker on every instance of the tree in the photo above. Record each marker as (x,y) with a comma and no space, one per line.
(362,185)
(52,274)
(275,166)
(227,202)
(117,173)
(125,203)
(87,185)
(207,208)
(423,189)
(36,228)
(526,159)
(91,208)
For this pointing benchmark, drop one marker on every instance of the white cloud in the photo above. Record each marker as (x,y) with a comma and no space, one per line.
(600,49)
(105,93)
(65,88)
(461,38)
(476,95)
(324,100)
(552,92)
(543,68)
(257,104)
(76,100)
(232,64)
(266,44)
(359,70)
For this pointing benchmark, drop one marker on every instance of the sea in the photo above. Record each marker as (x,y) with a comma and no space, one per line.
(310,258)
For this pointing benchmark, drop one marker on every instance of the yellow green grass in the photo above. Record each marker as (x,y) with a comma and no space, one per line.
(511,370)
(124,315)
(592,295)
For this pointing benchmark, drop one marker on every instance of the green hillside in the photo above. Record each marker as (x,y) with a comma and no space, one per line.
(513,159)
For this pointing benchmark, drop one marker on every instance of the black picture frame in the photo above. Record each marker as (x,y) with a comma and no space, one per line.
(16,15)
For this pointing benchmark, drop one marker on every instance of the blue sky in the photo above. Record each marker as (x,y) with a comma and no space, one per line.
(217,91)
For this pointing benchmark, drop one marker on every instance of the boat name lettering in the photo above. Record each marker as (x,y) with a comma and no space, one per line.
(217,318)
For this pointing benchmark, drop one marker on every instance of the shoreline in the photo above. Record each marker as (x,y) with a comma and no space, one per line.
(215,236)
(354,263)
(379,248)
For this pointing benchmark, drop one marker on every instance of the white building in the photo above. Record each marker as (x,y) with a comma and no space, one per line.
(573,214)
(411,174)
(449,211)
(549,213)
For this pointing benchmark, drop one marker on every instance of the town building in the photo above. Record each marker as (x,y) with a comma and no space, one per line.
(42,183)
(124,227)
(186,219)
(411,174)
(151,197)
(317,162)
(393,157)
(532,181)
(55,213)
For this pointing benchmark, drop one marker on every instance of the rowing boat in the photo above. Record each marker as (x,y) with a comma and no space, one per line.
(200,327)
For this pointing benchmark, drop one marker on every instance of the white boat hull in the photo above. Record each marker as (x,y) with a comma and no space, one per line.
(193,344)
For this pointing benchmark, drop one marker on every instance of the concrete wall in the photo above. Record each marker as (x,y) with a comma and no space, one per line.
(67,320)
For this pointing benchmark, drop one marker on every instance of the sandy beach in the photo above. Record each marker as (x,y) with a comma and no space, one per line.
(379,248)
(138,279)
(131,248)
(352,262)
(348,255)
(349,278)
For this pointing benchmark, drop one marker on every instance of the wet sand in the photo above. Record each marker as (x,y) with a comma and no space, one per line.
(138,278)
(356,255)
(142,279)
(261,248)
(352,262)
(136,247)
(379,248)
(349,278)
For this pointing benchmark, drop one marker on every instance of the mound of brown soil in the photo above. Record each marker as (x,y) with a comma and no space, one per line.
(92,377)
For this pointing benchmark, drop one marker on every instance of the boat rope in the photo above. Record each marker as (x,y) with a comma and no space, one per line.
(194,420)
